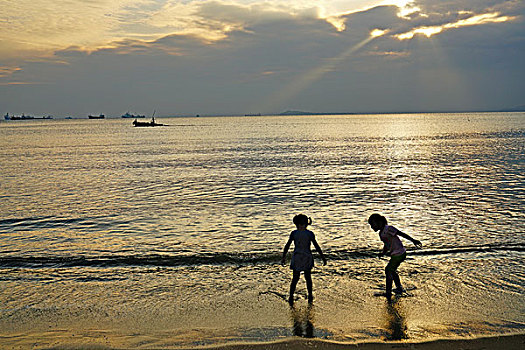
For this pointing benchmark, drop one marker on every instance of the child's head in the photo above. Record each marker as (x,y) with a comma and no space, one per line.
(377,222)
(302,220)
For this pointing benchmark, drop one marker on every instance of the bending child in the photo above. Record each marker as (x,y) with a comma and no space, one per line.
(393,248)
(302,258)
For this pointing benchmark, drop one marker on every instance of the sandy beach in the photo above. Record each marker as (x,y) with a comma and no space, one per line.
(508,342)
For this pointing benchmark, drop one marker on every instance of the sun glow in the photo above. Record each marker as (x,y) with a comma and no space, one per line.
(428,31)
(338,22)
(376,33)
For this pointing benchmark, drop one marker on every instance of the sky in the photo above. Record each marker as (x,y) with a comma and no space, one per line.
(236,57)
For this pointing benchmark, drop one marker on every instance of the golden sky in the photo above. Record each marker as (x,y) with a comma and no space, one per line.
(38,27)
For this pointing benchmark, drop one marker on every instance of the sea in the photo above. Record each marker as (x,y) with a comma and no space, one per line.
(113,236)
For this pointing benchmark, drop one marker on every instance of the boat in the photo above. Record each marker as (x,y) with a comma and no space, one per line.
(14,117)
(23,117)
(128,115)
(101,116)
(136,123)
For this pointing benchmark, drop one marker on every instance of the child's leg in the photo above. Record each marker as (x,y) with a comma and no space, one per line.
(391,272)
(295,279)
(309,286)
(389,278)
(397,281)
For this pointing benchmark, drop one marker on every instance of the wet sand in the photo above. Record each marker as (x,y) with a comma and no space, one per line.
(508,342)
(139,341)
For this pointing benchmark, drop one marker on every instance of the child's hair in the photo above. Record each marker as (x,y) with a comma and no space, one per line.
(302,219)
(378,218)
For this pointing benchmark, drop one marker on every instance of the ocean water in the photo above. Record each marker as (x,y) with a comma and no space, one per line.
(114,236)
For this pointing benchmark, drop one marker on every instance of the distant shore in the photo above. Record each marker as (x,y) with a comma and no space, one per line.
(506,342)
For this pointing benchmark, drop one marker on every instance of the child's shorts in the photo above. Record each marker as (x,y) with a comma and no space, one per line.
(395,261)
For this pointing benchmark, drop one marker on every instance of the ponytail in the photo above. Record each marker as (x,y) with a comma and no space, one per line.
(302,219)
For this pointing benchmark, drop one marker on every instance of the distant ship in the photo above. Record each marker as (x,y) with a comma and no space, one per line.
(14,117)
(101,116)
(23,117)
(128,115)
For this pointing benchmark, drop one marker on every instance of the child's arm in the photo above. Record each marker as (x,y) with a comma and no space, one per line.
(319,251)
(286,247)
(415,241)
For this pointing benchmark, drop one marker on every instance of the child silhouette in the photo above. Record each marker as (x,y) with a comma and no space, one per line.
(393,248)
(302,258)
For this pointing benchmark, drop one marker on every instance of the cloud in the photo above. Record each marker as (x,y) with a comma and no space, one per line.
(475,20)
(454,14)
(39,27)
(42,25)
(7,71)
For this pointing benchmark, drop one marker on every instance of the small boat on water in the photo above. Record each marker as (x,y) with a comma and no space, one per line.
(136,123)
(101,116)
(129,115)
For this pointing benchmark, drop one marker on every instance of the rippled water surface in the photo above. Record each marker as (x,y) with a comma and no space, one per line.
(179,229)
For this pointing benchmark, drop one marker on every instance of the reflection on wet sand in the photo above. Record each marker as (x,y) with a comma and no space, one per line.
(395,320)
(302,321)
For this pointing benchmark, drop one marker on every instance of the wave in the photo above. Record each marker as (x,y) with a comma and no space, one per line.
(157,260)
(39,222)
(445,250)
(519,247)
(133,260)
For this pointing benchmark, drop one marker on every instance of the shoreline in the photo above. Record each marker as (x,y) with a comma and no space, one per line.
(104,340)
(507,342)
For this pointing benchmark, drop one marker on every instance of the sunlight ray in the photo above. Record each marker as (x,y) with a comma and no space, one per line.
(305,80)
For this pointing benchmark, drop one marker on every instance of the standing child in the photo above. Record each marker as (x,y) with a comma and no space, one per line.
(393,248)
(302,258)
